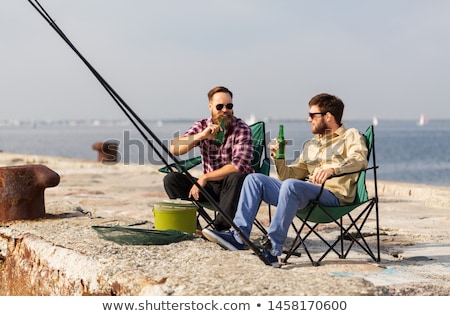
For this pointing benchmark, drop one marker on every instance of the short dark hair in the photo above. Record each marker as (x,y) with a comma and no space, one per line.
(217,89)
(329,103)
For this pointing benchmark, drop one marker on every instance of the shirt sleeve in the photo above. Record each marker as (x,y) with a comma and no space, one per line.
(297,170)
(196,128)
(356,153)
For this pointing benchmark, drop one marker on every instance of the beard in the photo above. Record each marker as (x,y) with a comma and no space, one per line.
(320,128)
(229,119)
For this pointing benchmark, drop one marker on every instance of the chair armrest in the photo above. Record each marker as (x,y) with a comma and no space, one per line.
(340,175)
(187,164)
(347,173)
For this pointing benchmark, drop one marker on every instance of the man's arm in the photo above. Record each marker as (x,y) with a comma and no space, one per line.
(356,159)
(183,144)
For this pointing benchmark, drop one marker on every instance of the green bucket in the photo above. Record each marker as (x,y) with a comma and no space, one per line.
(175,215)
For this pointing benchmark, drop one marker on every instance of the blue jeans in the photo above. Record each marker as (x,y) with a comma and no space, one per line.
(288,196)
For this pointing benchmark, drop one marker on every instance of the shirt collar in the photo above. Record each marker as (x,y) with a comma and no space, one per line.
(339,132)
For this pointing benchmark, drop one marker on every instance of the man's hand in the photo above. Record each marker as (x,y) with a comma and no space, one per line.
(195,191)
(273,146)
(210,131)
(320,176)
(183,144)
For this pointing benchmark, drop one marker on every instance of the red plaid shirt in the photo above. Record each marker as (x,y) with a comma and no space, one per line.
(237,149)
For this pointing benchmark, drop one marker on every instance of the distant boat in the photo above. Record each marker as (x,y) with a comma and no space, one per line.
(423,120)
(251,120)
(374,121)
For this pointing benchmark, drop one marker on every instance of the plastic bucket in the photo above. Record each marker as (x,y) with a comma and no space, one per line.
(177,215)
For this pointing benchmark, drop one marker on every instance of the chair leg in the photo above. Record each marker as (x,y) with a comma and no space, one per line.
(299,241)
(377,229)
(293,249)
(354,239)
(355,226)
(260,226)
(202,213)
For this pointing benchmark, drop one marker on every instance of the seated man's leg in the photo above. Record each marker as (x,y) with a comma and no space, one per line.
(228,199)
(257,187)
(294,195)
(177,185)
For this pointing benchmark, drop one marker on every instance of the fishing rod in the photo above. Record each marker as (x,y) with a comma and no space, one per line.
(119,101)
(138,123)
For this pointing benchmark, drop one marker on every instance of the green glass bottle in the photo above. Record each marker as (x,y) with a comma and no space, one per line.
(281,151)
(220,135)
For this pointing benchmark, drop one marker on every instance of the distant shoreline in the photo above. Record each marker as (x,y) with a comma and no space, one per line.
(126,122)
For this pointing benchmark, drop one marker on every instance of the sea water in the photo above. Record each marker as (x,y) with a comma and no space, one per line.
(405,151)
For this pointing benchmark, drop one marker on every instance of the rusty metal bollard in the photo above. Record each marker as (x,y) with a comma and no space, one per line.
(107,151)
(22,191)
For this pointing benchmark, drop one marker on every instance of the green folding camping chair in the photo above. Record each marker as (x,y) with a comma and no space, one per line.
(260,163)
(349,219)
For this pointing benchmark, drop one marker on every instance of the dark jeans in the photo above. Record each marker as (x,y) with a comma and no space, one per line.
(225,192)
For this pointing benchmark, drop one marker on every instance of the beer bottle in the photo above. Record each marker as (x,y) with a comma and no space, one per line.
(281,151)
(220,135)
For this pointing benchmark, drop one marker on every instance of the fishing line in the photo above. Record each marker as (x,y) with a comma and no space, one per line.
(119,101)
(123,106)
(135,119)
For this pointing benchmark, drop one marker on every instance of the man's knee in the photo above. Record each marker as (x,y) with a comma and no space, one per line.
(236,178)
(173,182)
(256,179)
(171,177)
(291,184)
(299,188)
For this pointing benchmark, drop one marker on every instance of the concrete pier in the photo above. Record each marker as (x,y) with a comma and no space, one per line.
(60,254)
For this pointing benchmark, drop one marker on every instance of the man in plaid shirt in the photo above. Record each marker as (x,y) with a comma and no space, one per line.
(224,165)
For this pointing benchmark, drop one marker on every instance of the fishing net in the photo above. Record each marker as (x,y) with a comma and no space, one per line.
(123,235)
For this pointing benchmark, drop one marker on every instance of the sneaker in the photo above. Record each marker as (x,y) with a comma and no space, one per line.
(221,228)
(224,239)
(271,259)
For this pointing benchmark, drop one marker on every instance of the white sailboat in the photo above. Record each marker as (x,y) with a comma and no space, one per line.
(422,120)
(374,121)
(251,120)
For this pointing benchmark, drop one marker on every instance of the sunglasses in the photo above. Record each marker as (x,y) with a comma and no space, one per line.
(220,106)
(311,115)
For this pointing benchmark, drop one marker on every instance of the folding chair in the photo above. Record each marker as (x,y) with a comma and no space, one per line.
(350,226)
(260,163)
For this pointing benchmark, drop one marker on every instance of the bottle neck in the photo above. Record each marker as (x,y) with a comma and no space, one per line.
(281,132)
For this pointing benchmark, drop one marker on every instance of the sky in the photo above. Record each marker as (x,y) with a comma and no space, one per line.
(388,59)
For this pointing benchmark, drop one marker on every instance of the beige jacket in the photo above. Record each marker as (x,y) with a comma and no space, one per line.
(345,151)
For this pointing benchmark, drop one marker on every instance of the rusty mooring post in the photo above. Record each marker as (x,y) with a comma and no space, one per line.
(107,151)
(22,191)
